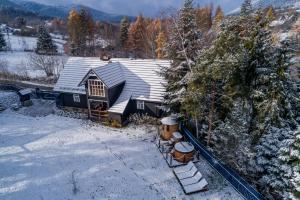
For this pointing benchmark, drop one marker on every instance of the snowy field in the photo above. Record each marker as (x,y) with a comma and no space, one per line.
(18,62)
(21,43)
(53,157)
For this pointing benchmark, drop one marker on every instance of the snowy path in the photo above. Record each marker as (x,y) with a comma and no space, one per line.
(55,157)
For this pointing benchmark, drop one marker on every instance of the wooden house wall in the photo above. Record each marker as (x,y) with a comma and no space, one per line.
(66,99)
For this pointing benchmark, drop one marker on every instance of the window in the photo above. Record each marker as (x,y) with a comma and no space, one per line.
(76,98)
(140,105)
(96,88)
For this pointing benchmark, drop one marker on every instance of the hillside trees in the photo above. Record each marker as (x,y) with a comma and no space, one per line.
(137,37)
(124,32)
(2,42)
(161,42)
(81,28)
(204,18)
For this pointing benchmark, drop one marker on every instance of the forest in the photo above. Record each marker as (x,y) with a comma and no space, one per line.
(231,83)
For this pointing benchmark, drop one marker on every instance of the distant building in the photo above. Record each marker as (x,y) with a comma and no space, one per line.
(112,89)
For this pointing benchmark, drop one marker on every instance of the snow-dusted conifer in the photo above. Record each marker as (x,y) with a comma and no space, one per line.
(246,8)
(124,32)
(182,50)
(45,44)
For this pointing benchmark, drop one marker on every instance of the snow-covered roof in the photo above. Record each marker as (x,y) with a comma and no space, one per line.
(74,71)
(141,79)
(25,91)
(110,74)
(121,104)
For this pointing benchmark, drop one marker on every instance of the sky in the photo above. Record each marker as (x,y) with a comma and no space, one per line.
(146,7)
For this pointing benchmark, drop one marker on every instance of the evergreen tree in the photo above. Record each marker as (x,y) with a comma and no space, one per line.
(246,8)
(182,50)
(2,42)
(290,157)
(124,31)
(45,44)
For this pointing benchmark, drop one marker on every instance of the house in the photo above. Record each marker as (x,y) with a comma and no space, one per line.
(112,89)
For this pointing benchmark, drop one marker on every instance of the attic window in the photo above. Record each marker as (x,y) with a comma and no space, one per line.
(140,105)
(96,88)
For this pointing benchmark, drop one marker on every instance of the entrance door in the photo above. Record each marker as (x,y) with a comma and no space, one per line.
(98,110)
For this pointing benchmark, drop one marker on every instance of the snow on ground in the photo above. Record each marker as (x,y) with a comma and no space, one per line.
(21,43)
(54,157)
(19,63)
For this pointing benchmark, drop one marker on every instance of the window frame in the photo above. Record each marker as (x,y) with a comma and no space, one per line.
(96,88)
(140,105)
(76,98)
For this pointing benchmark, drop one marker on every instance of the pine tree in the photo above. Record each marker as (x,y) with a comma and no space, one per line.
(124,31)
(2,42)
(290,157)
(182,50)
(161,43)
(246,8)
(45,44)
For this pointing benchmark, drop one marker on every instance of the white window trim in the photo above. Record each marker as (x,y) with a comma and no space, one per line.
(89,88)
(76,98)
(140,105)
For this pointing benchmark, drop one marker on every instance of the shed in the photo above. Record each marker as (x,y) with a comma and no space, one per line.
(24,94)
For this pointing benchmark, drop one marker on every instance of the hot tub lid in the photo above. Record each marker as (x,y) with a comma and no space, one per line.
(177,135)
(184,147)
(169,121)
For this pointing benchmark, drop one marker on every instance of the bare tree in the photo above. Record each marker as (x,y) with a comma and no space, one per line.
(49,64)
(3,67)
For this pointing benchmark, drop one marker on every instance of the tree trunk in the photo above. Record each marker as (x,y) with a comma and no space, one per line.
(197,128)
(211,113)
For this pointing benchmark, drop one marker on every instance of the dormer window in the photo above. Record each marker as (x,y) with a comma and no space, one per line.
(96,88)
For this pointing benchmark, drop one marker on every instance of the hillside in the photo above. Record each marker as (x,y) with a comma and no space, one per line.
(47,11)
(279,4)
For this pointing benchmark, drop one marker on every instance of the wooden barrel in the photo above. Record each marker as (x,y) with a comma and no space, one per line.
(184,152)
(170,125)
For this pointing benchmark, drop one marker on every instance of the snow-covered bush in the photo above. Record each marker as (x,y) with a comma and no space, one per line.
(142,119)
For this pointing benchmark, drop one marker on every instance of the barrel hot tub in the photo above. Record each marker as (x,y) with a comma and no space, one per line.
(184,152)
(169,126)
